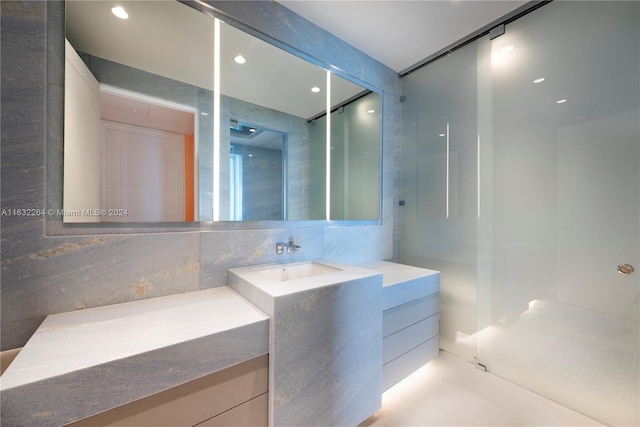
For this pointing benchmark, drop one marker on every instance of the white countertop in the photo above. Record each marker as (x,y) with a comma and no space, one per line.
(403,283)
(337,273)
(171,340)
(262,290)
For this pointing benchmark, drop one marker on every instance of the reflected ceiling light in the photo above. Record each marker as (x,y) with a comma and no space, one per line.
(540,80)
(119,12)
(252,130)
(240,59)
(315,89)
(442,134)
(204,113)
(561,101)
(371,111)
(508,48)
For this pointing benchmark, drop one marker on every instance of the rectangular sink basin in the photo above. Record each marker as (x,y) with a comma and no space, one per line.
(273,280)
(294,271)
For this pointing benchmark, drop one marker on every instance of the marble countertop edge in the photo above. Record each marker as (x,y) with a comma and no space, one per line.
(62,399)
(67,342)
(51,385)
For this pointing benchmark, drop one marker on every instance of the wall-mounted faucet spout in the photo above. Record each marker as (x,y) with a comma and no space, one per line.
(291,247)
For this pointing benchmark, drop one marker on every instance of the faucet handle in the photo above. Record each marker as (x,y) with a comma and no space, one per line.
(292,247)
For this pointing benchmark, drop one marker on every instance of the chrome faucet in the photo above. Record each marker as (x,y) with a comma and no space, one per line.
(291,246)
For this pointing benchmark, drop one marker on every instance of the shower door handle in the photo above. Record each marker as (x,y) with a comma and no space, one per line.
(626,269)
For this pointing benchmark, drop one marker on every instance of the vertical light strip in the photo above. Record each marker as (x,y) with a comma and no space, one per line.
(478,175)
(216,121)
(196,168)
(447,193)
(328,149)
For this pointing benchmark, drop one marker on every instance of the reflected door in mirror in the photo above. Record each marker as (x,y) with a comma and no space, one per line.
(143,174)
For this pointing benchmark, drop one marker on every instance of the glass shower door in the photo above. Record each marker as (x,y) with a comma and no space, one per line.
(439,218)
(562,208)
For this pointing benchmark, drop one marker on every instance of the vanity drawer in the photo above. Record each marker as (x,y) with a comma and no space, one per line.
(403,366)
(409,338)
(236,394)
(404,315)
(253,413)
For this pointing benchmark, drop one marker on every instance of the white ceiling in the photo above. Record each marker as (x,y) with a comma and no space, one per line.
(119,108)
(401,33)
(397,33)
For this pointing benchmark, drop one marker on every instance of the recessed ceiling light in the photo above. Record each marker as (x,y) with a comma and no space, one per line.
(540,80)
(252,130)
(561,101)
(119,12)
(315,89)
(508,48)
(371,111)
(442,134)
(240,59)
(204,113)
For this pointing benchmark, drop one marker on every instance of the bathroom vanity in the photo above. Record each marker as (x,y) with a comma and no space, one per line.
(411,304)
(312,342)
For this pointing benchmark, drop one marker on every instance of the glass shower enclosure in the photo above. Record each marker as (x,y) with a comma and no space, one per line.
(521,181)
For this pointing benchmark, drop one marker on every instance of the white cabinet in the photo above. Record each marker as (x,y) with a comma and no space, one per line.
(410,338)
(410,324)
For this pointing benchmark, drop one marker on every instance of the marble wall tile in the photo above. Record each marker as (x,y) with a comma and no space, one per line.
(55,122)
(60,275)
(356,63)
(23,55)
(357,245)
(221,250)
(392,168)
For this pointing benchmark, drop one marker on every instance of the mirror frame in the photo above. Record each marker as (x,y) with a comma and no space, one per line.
(54,157)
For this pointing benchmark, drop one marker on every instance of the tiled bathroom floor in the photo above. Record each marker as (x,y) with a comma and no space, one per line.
(449,391)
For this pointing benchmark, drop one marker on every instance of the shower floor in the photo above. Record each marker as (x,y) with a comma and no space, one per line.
(450,391)
(581,358)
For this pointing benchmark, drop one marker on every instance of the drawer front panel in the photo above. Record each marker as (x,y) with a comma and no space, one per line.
(400,368)
(254,413)
(409,338)
(407,314)
(193,402)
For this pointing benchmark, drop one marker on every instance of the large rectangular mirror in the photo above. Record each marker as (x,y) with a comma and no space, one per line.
(172,115)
